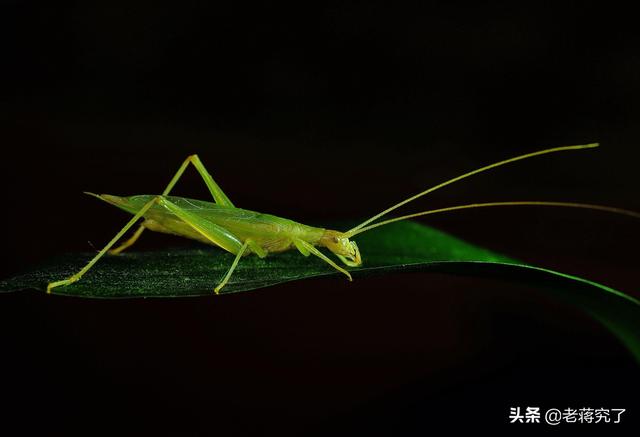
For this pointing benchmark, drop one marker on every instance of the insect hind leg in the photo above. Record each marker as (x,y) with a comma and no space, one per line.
(113,241)
(218,195)
(130,241)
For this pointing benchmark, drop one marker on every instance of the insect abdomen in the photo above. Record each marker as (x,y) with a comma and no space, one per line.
(273,233)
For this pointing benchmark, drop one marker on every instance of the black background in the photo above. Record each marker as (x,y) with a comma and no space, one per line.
(317,113)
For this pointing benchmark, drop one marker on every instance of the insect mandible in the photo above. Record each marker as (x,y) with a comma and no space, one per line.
(243,232)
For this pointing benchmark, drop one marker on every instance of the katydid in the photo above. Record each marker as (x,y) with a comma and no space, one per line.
(243,232)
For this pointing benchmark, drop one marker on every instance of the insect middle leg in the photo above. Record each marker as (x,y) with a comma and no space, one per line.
(255,248)
(218,195)
(217,235)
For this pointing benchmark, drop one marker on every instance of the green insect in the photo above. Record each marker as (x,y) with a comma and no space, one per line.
(243,232)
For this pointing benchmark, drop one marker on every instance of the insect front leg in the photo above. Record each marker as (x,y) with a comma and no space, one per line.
(113,241)
(218,195)
(306,249)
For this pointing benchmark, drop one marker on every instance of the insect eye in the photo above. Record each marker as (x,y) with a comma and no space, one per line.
(335,239)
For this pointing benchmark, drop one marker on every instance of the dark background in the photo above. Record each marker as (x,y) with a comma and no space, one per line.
(317,113)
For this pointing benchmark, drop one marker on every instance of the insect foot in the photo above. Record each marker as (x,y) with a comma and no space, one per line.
(55,284)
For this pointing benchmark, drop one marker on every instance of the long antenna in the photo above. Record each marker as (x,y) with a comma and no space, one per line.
(471,173)
(352,232)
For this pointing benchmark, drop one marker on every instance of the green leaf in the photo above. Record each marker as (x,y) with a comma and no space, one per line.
(401,246)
